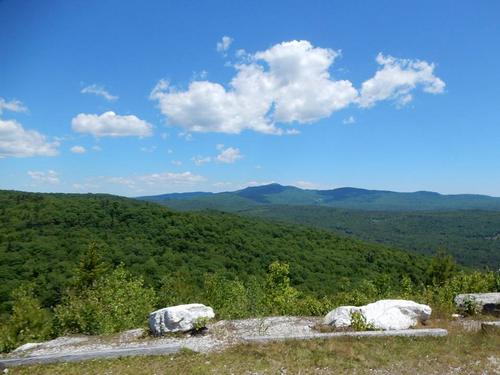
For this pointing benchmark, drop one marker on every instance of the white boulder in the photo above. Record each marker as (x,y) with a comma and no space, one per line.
(340,317)
(383,314)
(181,318)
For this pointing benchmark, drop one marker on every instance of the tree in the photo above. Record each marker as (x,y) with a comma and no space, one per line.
(90,268)
(441,268)
(280,294)
(117,301)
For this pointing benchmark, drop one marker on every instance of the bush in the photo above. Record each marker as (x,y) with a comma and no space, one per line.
(28,321)
(358,322)
(227,297)
(115,303)
(178,288)
(281,297)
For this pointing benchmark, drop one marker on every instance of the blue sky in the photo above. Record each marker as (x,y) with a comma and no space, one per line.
(135,98)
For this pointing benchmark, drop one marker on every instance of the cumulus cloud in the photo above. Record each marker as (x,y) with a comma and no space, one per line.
(229,155)
(289,83)
(99,91)
(224,44)
(15,141)
(109,124)
(13,106)
(50,177)
(78,150)
(397,78)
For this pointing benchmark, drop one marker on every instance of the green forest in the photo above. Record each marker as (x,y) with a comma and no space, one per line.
(42,237)
(471,236)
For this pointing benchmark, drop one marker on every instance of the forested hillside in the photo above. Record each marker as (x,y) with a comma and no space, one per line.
(421,222)
(471,236)
(42,237)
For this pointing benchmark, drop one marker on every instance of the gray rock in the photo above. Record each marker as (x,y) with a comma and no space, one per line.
(488,302)
(181,318)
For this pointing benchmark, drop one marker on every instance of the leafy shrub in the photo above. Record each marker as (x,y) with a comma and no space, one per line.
(200,323)
(178,288)
(227,297)
(470,307)
(116,302)
(281,296)
(359,323)
(28,321)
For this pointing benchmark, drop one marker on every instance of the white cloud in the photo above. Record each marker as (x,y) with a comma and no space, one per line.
(229,155)
(166,178)
(50,177)
(224,44)
(99,91)
(397,78)
(200,160)
(176,162)
(13,106)
(169,178)
(154,183)
(109,124)
(306,185)
(78,150)
(289,83)
(349,120)
(17,142)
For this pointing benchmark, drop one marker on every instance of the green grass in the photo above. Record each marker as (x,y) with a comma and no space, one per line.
(460,352)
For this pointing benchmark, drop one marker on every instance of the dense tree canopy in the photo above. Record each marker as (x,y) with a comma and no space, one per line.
(42,238)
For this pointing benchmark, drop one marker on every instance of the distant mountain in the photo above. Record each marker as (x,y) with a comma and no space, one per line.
(348,198)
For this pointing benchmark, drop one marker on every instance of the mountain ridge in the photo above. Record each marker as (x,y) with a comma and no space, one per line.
(344,197)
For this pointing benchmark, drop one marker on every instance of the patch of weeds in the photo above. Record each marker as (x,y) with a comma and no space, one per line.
(324,328)
(359,323)
(200,325)
(470,307)
(262,327)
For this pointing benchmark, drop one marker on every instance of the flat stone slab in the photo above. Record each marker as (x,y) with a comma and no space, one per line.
(432,332)
(88,355)
(491,327)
